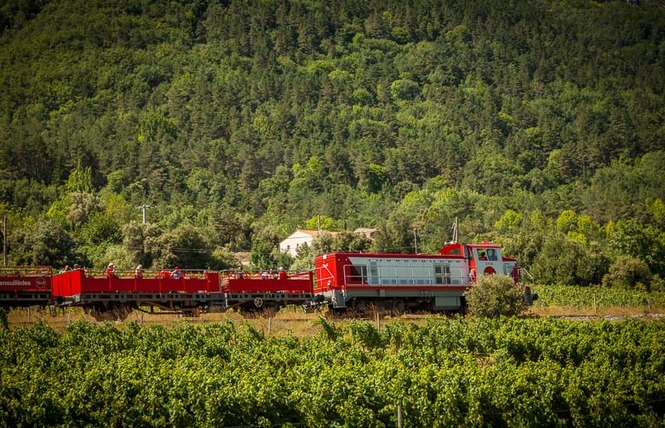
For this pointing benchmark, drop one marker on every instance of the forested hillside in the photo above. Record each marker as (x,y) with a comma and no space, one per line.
(539,124)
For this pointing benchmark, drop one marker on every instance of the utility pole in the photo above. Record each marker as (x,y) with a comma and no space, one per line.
(144,208)
(415,239)
(455,230)
(4,240)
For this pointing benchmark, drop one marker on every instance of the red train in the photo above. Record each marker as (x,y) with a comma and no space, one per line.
(340,280)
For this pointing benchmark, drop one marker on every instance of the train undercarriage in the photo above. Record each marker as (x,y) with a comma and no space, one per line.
(118,306)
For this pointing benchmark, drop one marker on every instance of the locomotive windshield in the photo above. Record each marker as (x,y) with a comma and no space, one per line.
(487,254)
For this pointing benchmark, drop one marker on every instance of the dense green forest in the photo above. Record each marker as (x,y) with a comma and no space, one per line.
(538,124)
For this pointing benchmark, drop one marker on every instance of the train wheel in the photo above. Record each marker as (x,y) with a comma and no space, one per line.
(258,302)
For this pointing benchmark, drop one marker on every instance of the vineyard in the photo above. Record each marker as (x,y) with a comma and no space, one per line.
(442,372)
(571,297)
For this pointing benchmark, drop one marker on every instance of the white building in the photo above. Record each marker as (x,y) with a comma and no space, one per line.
(292,242)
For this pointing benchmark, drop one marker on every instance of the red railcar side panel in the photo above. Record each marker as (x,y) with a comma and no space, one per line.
(25,279)
(68,283)
(302,283)
(76,282)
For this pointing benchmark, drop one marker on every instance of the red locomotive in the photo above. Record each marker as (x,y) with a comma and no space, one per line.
(341,280)
(408,281)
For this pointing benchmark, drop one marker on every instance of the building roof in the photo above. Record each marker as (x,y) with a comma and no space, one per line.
(301,234)
(313,233)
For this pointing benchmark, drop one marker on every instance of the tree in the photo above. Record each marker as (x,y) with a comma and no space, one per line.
(323,244)
(567,221)
(229,228)
(83,201)
(647,243)
(185,247)
(141,241)
(509,222)
(565,261)
(376,178)
(222,259)
(628,272)
(494,296)
(4,322)
(46,243)
(351,242)
(320,222)
(83,206)
(280,111)
(264,243)
(656,209)
(404,90)
(395,235)
(304,260)
(101,228)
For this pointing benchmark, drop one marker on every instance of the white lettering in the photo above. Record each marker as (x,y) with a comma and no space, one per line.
(16,283)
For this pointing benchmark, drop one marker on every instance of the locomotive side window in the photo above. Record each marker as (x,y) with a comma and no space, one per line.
(442,274)
(373,273)
(357,274)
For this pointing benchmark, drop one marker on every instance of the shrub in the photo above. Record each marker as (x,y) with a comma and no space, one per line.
(494,296)
(628,272)
(4,321)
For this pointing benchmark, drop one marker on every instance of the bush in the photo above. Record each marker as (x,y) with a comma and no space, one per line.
(494,296)
(629,272)
(4,321)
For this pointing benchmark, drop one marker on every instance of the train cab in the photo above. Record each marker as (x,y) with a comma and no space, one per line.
(486,259)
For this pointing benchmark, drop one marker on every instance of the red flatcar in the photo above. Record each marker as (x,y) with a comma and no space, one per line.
(118,295)
(260,289)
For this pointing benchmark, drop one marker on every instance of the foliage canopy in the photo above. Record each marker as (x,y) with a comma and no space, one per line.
(244,120)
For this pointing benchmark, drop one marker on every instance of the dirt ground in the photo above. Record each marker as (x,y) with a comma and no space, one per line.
(286,321)
(292,321)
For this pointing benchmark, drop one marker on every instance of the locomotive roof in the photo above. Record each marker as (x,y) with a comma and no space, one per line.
(391,255)
(453,250)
